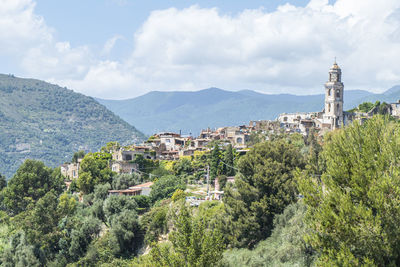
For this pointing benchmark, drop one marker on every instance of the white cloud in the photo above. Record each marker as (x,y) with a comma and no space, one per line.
(109,45)
(288,50)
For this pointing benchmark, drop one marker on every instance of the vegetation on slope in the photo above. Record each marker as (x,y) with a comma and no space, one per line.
(295,202)
(46,122)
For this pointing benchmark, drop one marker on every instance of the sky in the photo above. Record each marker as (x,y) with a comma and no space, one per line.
(118,49)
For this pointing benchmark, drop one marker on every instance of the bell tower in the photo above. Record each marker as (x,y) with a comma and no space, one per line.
(334,97)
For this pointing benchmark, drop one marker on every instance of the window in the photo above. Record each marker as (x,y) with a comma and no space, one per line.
(329,107)
(329,92)
(337,106)
(338,93)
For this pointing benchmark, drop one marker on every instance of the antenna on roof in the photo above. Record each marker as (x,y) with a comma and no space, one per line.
(335,59)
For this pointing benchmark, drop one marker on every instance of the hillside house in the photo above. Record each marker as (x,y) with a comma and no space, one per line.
(128,154)
(395,109)
(137,190)
(71,170)
(124,167)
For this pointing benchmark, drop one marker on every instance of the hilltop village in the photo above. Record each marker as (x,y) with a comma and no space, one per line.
(232,196)
(173,146)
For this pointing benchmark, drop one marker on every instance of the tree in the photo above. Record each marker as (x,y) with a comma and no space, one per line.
(95,171)
(228,167)
(82,235)
(193,243)
(183,166)
(40,221)
(215,161)
(264,187)
(124,181)
(165,187)
(111,146)
(178,195)
(3,182)
(31,182)
(78,155)
(154,222)
(114,205)
(125,233)
(20,253)
(285,246)
(353,210)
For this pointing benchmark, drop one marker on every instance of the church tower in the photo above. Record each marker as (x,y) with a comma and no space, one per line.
(334,98)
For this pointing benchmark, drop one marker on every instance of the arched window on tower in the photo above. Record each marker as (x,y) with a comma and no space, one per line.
(338,93)
(337,107)
(329,107)
(329,92)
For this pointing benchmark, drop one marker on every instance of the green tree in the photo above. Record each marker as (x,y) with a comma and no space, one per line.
(154,222)
(81,236)
(95,171)
(40,223)
(178,195)
(229,160)
(125,234)
(285,246)
(183,166)
(215,161)
(353,211)
(3,182)
(20,253)
(264,187)
(111,146)
(78,155)
(165,187)
(31,182)
(196,244)
(114,205)
(124,181)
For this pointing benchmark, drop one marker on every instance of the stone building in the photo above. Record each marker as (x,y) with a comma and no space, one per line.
(333,111)
(332,117)
(395,109)
(141,189)
(71,170)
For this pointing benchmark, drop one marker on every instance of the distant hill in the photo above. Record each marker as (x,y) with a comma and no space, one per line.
(43,121)
(213,107)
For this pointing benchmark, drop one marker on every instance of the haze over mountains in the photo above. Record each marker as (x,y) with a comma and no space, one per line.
(42,121)
(192,111)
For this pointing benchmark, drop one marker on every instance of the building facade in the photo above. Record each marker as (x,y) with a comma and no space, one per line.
(333,111)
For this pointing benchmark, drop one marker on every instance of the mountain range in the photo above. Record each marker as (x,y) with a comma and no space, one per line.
(46,122)
(190,112)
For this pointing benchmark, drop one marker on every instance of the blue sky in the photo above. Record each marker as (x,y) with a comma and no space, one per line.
(93,22)
(120,49)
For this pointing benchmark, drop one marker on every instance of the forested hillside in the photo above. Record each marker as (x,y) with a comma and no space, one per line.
(46,122)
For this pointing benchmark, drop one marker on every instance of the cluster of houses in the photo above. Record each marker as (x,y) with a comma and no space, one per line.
(166,146)
(172,146)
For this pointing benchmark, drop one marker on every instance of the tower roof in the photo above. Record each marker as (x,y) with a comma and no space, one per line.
(335,66)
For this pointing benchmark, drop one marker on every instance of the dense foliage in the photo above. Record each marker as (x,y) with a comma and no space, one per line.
(42,121)
(354,208)
(295,201)
(264,187)
(285,246)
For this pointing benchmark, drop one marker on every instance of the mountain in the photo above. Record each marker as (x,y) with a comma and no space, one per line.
(46,122)
(213,107)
